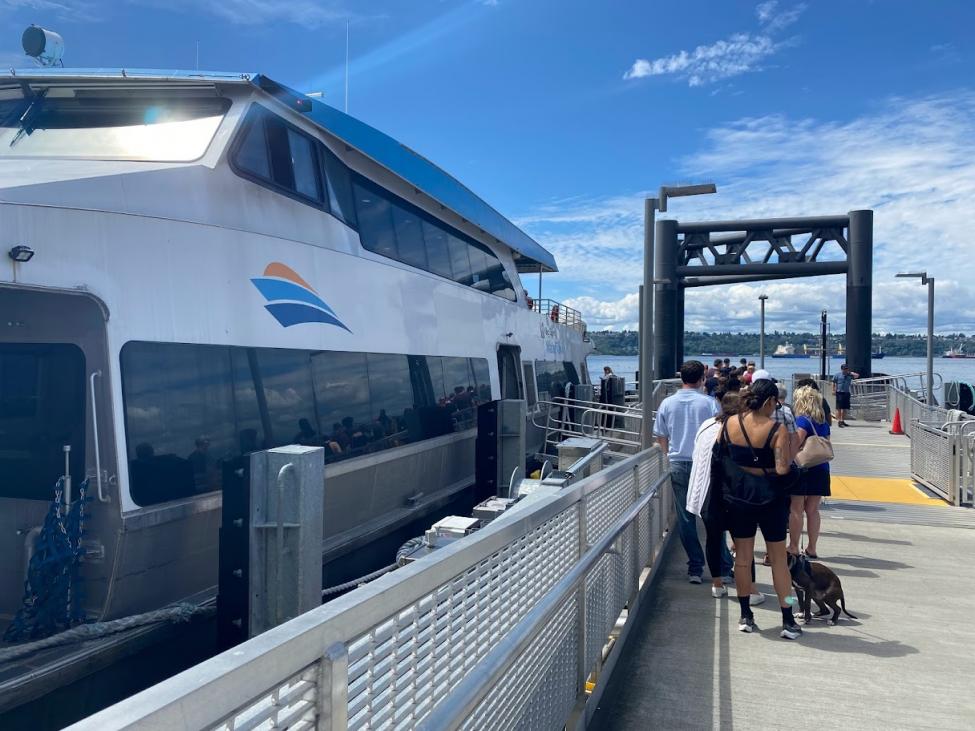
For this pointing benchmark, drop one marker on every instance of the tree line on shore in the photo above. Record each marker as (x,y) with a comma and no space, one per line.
(627,342)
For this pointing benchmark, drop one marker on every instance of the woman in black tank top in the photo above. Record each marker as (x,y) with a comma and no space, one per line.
(759,454)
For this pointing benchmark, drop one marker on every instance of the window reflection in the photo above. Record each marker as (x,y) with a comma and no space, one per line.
(192,408)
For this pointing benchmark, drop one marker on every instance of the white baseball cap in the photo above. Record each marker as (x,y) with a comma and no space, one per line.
(762,375)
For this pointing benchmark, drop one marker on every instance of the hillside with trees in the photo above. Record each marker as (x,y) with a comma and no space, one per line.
(626,342)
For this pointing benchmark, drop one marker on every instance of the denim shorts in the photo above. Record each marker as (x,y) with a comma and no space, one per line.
(843,400)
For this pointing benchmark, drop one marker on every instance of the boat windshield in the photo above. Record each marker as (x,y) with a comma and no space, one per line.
(108,123)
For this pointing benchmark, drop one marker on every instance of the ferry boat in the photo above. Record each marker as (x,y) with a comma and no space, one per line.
(958,352)
(788,350)
(201,265)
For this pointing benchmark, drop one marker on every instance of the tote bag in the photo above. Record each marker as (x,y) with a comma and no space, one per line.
(816,450)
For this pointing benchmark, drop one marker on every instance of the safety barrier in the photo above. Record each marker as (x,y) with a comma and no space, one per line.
(943,459)
(510,627)
(912,410)
(559,313)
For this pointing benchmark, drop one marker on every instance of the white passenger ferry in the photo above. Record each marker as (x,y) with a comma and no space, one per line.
(201,265)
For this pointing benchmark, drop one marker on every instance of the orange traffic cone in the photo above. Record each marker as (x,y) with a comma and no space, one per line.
(896,426)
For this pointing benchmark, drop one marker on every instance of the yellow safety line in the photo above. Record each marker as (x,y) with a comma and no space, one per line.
(880,490)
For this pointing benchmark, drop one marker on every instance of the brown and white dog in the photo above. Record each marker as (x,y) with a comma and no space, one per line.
(815,582)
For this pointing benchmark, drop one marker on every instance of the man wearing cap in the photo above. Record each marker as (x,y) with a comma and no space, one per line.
(841,390)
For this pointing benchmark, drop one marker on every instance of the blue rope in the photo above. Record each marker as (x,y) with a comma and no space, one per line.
(52,593)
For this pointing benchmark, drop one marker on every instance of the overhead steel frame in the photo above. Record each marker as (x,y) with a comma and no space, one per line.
(689,255)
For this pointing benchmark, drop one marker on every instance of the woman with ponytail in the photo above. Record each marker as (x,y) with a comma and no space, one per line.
(756,457)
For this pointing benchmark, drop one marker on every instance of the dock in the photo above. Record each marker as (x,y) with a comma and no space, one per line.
(905,662)
(575,612)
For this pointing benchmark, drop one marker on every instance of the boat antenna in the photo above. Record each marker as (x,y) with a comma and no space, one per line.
(197,55)
(347,24)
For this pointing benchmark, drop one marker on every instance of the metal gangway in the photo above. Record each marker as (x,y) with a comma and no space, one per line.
(617,424)
(517,625)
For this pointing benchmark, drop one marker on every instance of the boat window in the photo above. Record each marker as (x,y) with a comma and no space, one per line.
(108,123)
(252,152)
(42,408)
(391,227)
(375,216)
(191,408)
(552,377)
(340,199)
(531,390)
(482,377)
(305,165)
(438,253)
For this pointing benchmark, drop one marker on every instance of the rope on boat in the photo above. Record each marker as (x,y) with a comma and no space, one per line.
(182,612)
(361,580)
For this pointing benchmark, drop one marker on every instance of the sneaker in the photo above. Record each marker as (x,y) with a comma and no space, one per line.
(755,599)
(718,591)
(694,578)
(791,631)
(728,580)
(747,624)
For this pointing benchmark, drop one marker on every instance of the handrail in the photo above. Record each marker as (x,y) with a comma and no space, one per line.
(102,498)
(464,698)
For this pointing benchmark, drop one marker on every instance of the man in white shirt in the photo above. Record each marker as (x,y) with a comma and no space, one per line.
(678,419)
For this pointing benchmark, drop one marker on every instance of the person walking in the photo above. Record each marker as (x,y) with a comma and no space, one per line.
(755,456)
(842,383)
(813,483)
(678,419)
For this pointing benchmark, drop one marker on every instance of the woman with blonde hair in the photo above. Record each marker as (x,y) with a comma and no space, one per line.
(813,483)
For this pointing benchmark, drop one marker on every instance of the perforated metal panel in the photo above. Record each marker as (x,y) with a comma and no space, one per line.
(932,460)
(290,705)
(399,668)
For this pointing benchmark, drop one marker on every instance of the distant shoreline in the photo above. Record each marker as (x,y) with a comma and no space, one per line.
(626,342)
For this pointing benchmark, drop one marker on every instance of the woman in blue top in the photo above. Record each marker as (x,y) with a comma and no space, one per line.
(813,483)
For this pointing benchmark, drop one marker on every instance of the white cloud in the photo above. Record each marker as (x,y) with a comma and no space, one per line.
(77,11)
(259,12)
(736,55)
(773,19)
(909,161)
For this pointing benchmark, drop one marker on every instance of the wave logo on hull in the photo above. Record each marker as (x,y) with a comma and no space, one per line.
(291,300)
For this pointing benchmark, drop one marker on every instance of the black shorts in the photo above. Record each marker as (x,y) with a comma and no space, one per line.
(842,399)
(773,519)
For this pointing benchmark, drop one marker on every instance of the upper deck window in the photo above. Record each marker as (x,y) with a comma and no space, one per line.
(108,123)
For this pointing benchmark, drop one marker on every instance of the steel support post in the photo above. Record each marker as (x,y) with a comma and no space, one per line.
(665,300)
(679,325)
(930,283)
(646,322)
(859,293)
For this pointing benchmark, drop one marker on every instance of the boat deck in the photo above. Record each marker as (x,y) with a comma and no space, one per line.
(905,662)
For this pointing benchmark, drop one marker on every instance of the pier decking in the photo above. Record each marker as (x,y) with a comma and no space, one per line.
(906,662)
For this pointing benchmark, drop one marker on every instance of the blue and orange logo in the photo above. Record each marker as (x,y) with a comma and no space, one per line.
(291,299)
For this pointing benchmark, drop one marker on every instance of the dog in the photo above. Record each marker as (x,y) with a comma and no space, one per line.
(814,582)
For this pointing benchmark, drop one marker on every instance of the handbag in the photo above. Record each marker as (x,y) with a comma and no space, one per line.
(815,450)
(741,487)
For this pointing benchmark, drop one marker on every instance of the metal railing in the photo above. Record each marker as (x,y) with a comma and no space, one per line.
(619,425)
(559,313)
(943,459)
(509,627)
(912,410)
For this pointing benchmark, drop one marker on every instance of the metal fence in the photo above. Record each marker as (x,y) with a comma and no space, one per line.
(912,410)
(559,313)
(943,459)
(507,628)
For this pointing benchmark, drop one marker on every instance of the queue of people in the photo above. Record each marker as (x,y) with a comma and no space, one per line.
(732,449)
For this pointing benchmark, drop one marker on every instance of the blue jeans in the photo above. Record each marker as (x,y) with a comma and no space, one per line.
(680,475)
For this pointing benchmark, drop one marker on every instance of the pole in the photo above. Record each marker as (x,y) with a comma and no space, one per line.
(647,371)
(665,288)
(930,284)
(761,335)
(539,287)
(347,66)
(823,341)
(859,292)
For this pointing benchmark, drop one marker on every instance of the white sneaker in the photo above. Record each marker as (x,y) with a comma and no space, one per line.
(754,599)
(718,591)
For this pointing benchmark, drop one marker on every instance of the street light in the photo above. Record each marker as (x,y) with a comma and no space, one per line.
(761,335)
(925,279)
(650,208)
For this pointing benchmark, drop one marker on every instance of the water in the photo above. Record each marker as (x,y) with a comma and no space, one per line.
(783,368)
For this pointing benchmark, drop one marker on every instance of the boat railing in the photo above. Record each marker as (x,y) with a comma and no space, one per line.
(519,624)
(559,313)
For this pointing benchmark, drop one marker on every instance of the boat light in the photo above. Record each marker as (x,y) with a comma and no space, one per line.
(21,253)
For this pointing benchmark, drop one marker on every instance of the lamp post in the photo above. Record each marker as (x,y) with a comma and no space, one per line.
(761,334)
(925,279)
(647,376)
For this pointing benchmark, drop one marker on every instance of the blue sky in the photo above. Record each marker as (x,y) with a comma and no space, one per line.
(563,114)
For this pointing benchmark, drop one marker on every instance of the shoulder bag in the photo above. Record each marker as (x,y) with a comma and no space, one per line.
(815,450)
